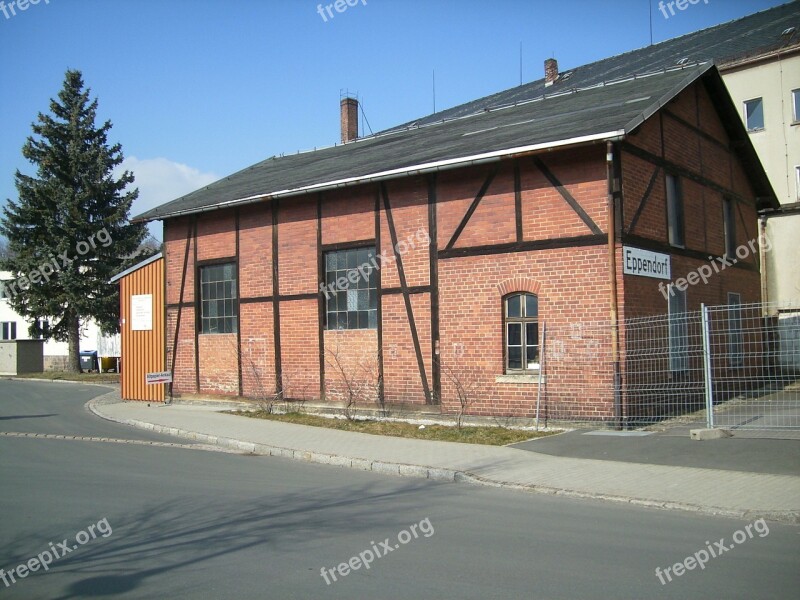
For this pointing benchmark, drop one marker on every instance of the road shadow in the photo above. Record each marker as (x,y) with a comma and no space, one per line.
(8,418)
(168,536)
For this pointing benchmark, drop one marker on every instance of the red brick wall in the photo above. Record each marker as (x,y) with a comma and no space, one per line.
(297,246)
(490,224)
(175,247)
(351,366)
(348,215)
(572,283)
(258,350)
(408,201)
(300,348)
(255,252)
(545,213)
(704,230)
(218,364)
(571,286)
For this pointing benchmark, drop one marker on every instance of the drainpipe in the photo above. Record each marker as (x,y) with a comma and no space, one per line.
(612,273)
(763,260)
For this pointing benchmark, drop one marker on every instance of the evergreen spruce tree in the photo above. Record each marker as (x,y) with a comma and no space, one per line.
(68,232)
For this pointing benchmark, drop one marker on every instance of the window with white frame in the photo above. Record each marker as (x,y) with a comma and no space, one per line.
(754,114)
(796,105)
(797,181)
(521,316)
(678,332)
(735,334)
(9,330)
(43,328)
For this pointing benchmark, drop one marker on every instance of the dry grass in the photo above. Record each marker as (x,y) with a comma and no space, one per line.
(491,436)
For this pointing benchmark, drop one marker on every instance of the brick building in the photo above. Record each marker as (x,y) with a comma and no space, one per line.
(410,264)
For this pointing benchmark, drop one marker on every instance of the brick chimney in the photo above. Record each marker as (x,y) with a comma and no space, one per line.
(550,71)
(349,119)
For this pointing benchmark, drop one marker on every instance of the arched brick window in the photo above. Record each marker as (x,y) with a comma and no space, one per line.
(521,332)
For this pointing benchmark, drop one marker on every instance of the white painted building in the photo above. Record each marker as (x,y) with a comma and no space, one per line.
(15,327)
(766,87)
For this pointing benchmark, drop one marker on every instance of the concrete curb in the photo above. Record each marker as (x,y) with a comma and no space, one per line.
(441,474)
(112,385)
(405,470)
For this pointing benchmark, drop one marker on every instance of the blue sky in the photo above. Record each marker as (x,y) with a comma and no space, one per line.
(198,89)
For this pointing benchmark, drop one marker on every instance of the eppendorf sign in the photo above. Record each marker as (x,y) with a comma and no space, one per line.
(645,263)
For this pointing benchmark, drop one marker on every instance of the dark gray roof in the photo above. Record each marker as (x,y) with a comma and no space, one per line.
(599,101)
(750,35)
(603,112)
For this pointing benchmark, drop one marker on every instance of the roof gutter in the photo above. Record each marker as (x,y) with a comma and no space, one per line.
(421,169)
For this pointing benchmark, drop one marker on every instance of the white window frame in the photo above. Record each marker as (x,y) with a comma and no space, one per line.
(8,331)
(763,114)
(797,181)
(795,106)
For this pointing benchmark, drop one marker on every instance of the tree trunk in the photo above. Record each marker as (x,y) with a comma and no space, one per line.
(74,358)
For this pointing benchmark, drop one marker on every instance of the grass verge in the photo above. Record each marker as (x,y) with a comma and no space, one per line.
(64,376)
(490,436)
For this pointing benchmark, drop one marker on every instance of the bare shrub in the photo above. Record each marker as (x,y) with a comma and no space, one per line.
(469,383)
(353,382)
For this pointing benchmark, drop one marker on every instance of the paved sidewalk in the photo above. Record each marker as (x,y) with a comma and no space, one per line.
(727,493)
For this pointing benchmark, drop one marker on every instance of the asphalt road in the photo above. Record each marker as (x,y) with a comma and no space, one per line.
(175,522)
(775,456)
(59,409)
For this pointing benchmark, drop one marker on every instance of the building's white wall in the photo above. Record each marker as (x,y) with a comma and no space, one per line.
(778,144)
(778,147)
(782,262)
(91,338)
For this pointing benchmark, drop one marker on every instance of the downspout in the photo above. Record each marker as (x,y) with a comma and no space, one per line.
(612,273)
(763,259)
(765,310)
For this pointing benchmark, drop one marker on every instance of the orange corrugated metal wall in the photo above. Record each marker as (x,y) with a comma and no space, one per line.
(142,351)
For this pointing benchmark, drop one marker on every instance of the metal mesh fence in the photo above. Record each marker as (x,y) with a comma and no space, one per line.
(577,381)
(755,364)
(662,367)
(742,361)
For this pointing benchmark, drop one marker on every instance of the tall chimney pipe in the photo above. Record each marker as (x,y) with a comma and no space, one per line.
(550,71)
(349,119)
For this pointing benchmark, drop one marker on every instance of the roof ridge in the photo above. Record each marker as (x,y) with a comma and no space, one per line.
(587,66)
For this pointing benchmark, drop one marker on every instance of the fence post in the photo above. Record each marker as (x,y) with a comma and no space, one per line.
(707,373)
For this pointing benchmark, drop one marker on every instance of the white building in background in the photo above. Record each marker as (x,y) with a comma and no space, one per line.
(766,87)
(15,327)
